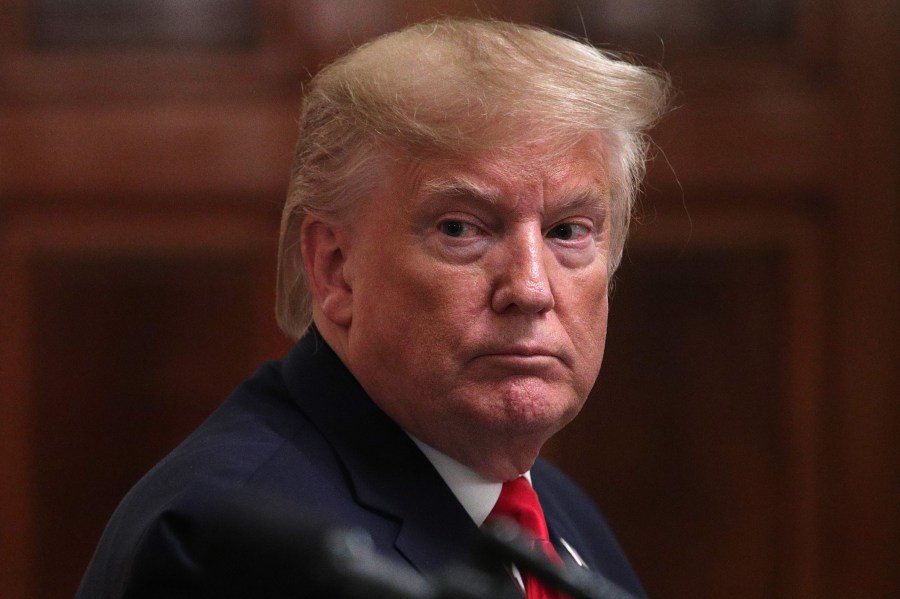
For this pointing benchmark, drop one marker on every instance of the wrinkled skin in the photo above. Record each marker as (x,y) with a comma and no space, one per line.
(469,298)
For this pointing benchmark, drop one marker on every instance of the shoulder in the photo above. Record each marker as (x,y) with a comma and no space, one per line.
(257,439)
(574,517)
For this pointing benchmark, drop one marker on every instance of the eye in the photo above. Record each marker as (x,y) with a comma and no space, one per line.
(456,228)
(567,231)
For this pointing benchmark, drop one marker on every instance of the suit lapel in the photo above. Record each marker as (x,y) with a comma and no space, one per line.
(389,475)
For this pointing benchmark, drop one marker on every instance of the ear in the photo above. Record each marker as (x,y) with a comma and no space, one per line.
(323,245)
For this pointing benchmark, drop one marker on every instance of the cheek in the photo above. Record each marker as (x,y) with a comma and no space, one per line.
(441,293)
(588,326)
(602,322)
(586,295)
(423,309)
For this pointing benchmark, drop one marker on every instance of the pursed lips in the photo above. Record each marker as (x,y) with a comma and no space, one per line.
(524,354)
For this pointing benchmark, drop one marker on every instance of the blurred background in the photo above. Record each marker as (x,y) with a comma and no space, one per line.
(744,437)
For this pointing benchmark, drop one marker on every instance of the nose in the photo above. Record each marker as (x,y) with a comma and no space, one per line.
(522,282)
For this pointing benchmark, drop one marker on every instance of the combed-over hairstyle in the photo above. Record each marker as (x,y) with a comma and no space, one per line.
(456,88)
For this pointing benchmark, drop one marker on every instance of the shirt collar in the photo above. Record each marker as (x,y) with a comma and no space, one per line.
(477,494)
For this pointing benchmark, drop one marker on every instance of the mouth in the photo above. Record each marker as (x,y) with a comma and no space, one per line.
(528,357)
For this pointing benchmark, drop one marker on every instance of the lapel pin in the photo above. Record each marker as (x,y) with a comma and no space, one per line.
(573,553)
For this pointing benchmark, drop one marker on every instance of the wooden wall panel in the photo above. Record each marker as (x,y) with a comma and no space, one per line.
(147,153)
(130,354)
(688,405)
(863,421)
(132,328)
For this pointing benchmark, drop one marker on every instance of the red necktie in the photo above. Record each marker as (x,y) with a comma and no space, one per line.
(519,503)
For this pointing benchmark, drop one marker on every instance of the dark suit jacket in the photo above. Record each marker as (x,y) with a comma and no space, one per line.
(303,430)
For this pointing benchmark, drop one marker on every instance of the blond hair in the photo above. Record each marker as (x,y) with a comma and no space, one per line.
(457,88)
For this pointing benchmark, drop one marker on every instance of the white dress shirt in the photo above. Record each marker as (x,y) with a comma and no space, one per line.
(477,494)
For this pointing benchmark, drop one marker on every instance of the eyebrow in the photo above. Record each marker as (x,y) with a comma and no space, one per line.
(457,186)
(589,196)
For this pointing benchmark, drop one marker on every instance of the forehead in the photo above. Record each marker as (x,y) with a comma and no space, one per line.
(576,173)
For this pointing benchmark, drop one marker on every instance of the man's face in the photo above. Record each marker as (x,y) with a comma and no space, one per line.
(479,302)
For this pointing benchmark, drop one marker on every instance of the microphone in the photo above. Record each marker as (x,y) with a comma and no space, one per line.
(251,544)
(254,545)
(503,539)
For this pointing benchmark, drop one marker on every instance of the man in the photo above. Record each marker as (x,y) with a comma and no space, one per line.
(459,201)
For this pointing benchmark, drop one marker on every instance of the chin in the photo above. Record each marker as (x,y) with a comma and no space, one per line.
(535,411)
(539,396)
